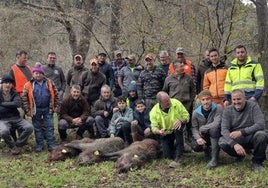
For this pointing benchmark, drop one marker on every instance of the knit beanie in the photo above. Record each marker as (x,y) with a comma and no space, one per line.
(38,69)
(7,79)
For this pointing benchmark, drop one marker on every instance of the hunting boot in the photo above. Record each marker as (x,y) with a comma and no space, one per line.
(214,154)
(207,152)
(135,137)
(63,135)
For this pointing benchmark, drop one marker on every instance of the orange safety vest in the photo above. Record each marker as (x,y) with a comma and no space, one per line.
(187,68)
(20,78)
(30,96)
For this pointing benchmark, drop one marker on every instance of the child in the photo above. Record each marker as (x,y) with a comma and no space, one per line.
(141,125)
(121,120)
(40,100)
(132,95)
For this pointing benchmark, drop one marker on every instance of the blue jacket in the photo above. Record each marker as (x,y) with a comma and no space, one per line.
(142,118)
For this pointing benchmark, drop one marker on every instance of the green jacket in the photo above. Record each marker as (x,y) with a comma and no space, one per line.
(162,120)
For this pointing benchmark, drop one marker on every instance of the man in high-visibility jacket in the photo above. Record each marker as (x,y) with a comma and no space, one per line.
(245,74)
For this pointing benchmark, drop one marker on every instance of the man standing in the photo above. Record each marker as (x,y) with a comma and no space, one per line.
(150,82)
(189,67)
(243,128)
(129,73)
(106,69)
(168,118)
(118,63)
(92,81)
(10,118)
(202,67)
(246,74)
(21,72)
(164,61)
(75,73)
(55,73)
(214,77)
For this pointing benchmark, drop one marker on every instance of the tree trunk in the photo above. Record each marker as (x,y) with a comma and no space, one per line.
(262,19)
(115,24)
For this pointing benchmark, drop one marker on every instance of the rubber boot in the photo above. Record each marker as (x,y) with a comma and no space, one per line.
(214,154)
(207,152)
(135,137)
(63,134)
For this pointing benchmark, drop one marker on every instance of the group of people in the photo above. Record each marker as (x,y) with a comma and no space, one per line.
(135,101)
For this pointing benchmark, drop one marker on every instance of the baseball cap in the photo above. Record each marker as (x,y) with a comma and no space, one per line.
(78,55)
(149,56)
(180,50)
(117,52)
(132,56)
(93,61)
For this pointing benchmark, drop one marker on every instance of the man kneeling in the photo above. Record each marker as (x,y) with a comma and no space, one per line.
(206,122)
(242,129)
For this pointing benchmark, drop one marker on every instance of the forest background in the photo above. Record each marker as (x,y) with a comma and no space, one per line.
(136,27)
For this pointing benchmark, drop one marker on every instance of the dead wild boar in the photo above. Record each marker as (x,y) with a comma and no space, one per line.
(91,154)
(62,152)
(135,156)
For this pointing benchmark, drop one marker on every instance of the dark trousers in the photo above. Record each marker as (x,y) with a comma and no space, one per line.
(257,141)
(171,148)
(124,132)
(212,133)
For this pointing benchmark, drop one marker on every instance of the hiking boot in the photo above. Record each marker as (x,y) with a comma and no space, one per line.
(175,163)
(257,167)
(16,150)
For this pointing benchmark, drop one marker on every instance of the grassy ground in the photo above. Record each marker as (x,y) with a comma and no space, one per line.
(31,170)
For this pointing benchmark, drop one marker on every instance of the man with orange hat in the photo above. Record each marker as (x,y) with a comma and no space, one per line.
(92,81)
(206,122)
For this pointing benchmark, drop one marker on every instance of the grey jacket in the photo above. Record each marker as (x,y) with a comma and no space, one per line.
(201,124)
(248,121)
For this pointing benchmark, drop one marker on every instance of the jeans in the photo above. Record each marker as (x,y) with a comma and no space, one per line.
(102,125)
(43,116)
(24,128)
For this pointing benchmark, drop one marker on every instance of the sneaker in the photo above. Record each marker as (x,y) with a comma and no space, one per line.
(175,163)
(257,167)
(16,150)
(38,149)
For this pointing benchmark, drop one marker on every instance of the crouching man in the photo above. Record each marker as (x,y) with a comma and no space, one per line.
(206,122)
(242,129)
(168,118)
(10,118)
(74,113)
